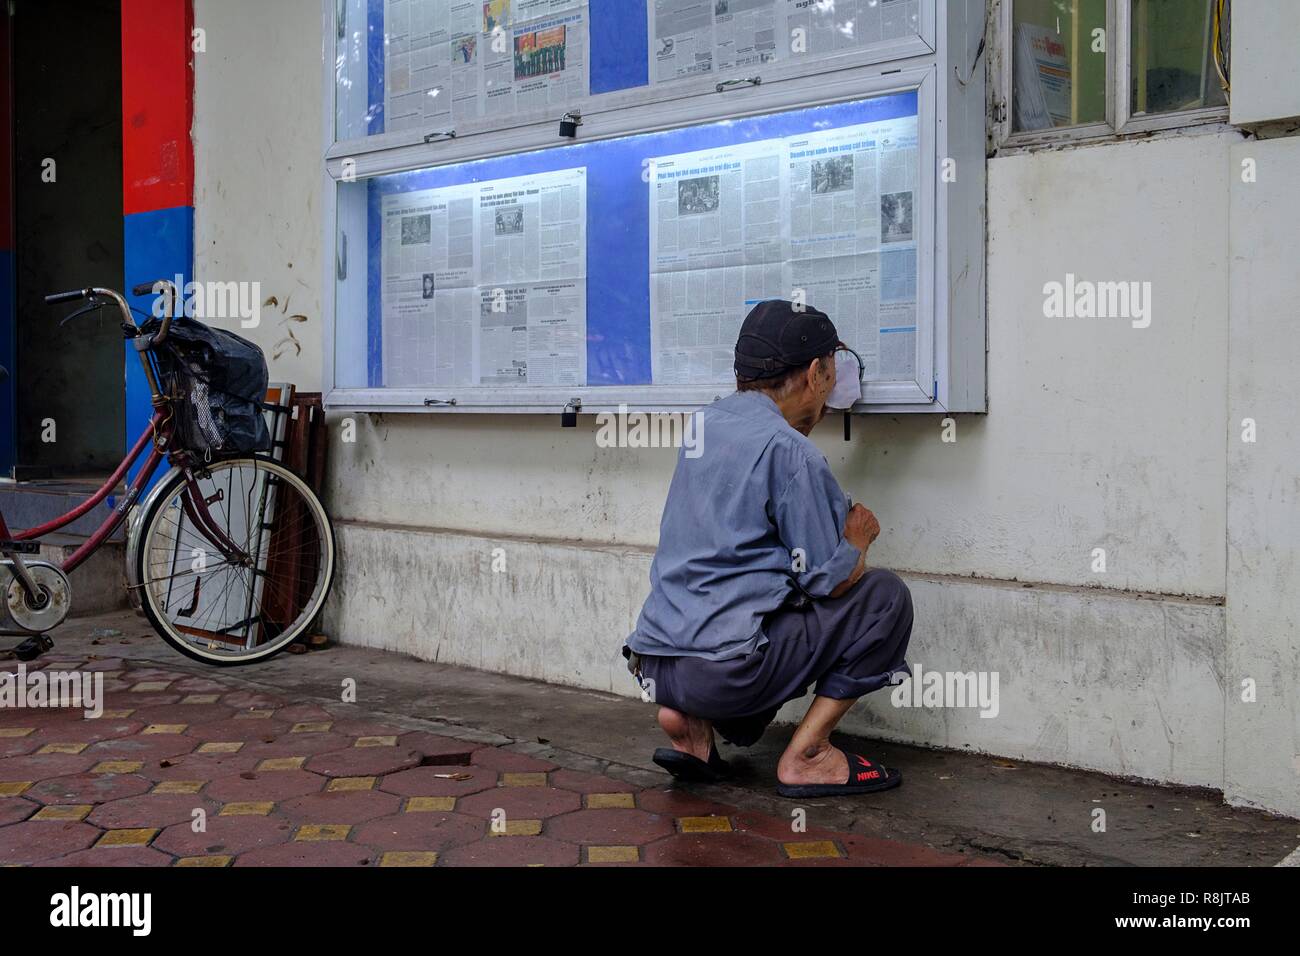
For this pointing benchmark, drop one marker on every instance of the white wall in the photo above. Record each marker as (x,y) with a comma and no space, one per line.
(257,175)
(1098,435)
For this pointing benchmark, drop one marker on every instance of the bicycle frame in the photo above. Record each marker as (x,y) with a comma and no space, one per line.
(156,437)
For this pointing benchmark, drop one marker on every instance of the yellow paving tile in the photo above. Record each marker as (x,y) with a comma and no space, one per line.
(16,731)
(146,686)
(220,747)
(64,812)
(254,714)
(13,788)
(179,786)
(812,850)
(119,714)
(165,729)
(612,854)
(202,699)
(63,748)
(247,808)
(408,858)
(204,861)
(351,783)
(523,780)
(312,727)
(389,741)
(116,766)
(605,801)
(518,828)
(315,832)
(705,824)
(427,804)
(139,837)
(281,763)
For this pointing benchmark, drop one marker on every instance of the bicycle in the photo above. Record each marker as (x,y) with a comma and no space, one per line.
(233,558)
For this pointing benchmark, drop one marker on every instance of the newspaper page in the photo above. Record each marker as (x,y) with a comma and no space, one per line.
(452,61)
(681,39)
(427,275)
(744,33)
(826,216)
(1042,76)
(694,37)
(485,283)
(718,244)
(852,195)
(543,66)
(532,303)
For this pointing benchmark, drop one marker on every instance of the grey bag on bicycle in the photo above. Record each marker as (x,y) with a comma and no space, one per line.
(220,379)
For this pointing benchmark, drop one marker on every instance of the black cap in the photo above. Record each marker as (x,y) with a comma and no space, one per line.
(777,336)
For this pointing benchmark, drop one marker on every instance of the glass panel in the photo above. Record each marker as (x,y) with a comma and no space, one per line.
(1059,61)
(431,65)
(632,261)
(1173,56)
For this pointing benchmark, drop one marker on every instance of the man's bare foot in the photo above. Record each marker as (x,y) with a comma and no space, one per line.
(820,763)
(690,735)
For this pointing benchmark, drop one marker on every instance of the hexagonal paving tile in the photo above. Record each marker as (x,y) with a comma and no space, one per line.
(364,761)
(327,853)
(183,713)
(426,782)
(713,849)
(679,803)
(114,856)
(238,728)
(33,842)
(513,851)
(508,760)
(589,782)
(612,827)
(520,803)
(297,745)
(16,809)
(197,766)
(420,831)
(150,810)
(88,788)
(344,806)
(274,785)
(225,836)
(146,748)
(44,766)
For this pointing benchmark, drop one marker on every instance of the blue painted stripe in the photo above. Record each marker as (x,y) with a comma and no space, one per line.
(158,245)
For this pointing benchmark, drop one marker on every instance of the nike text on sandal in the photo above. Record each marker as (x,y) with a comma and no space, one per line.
(688,767)
(864,777)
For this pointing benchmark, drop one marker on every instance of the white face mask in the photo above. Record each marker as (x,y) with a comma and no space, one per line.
(848,381)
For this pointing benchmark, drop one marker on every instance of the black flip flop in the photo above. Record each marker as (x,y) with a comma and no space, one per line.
(691,768)
(864,777)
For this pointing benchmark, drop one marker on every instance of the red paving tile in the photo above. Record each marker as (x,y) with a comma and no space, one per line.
(433,781)
(277,809)
(520,803)
(420,831)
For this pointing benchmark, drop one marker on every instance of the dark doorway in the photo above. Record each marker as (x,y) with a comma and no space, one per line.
(67,191)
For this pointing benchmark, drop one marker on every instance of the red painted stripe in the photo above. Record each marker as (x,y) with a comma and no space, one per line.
(157,104)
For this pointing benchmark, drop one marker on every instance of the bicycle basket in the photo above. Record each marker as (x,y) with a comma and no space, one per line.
(218,383)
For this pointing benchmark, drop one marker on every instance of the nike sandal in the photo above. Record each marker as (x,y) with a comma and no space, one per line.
(688,767)
(864,777)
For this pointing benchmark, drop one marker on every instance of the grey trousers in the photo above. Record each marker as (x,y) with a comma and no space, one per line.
(847,646)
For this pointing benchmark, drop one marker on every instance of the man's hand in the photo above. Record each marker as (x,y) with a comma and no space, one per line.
(861,528)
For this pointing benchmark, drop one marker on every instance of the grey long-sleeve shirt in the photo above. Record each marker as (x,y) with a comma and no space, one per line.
(756,515)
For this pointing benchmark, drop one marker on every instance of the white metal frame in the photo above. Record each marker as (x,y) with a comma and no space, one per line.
(1119,121)
(950,254)
(599,104)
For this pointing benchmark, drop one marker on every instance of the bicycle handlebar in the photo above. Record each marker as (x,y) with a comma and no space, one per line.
(162,286)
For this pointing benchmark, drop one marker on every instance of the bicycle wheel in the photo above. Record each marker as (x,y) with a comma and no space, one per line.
(239,580)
